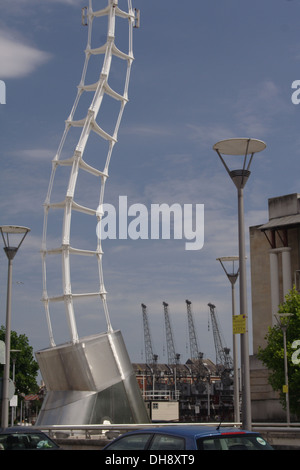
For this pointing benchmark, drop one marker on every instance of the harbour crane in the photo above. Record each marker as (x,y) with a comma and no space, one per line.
(150,357)
(192,332)
(173,358)
(196,356)
(224,361)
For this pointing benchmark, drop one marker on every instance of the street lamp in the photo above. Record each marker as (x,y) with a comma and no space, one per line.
(10,234)
(283,322)
(14,359)
(232,276)
(242,147)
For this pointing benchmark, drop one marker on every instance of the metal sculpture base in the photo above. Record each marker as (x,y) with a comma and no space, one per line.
(90,382)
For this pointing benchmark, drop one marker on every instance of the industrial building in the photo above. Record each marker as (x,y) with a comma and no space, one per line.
(198,390)
(196,387)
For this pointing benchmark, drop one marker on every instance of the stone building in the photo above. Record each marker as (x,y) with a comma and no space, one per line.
(275,268)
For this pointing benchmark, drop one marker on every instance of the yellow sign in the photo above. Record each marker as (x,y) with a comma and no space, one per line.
(239,324)
(285,388)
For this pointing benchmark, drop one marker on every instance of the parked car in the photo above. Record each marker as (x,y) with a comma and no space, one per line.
(25,438)
(188,437)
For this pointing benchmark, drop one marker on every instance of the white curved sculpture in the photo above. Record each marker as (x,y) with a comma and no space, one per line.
(77,163)
(88,380)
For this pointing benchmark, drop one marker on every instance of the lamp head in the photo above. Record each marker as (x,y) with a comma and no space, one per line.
(239,147)
(13,236)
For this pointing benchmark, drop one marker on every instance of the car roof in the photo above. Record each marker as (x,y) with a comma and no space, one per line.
(18,429)
(190,430)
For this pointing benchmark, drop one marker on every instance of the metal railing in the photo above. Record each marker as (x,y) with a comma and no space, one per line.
(161,395)
(89,430)
(100,430)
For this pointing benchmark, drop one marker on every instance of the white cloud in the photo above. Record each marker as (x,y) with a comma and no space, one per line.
(74,3)
(257,108)
(148,131)
(253,113)
(209,134)
(36,154)
(17,4)
(18,59)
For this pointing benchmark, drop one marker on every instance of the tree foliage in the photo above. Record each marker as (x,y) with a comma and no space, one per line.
(26,368)
(272,356)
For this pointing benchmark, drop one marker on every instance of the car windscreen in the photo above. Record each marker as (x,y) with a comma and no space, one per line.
(236,441)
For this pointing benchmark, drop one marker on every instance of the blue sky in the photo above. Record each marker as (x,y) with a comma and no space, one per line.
(203,71)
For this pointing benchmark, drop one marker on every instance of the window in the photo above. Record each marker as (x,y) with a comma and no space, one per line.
(166,442)
(132,442)
(233,442)
(23,441)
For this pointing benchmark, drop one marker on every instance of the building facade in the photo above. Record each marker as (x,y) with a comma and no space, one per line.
(275,268)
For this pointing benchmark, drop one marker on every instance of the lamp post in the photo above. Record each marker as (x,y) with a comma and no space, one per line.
(242,147)
(13,378)
(10,234)
(283,322)
(232,276)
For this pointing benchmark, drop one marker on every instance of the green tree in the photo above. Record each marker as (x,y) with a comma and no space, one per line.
(26,368)
(272,356)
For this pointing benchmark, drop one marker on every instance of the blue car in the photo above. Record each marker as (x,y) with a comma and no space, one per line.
(25,438)
(189,437)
